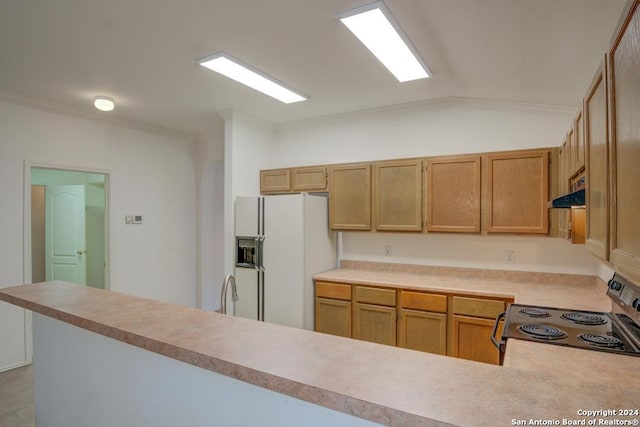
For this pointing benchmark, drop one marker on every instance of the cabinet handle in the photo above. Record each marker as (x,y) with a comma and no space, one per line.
(495,329)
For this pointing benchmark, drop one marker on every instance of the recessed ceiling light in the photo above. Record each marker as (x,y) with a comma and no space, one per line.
(104,103)
(228,66)
(376,28)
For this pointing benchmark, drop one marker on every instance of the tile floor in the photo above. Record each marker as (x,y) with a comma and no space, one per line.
(16,398)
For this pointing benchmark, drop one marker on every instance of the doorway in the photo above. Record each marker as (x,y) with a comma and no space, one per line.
(68,233)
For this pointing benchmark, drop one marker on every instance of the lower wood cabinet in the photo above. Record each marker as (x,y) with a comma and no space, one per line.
(472,321)
(422,321)
(374,323)
(471,338)
(374,315)
(333,317)
(423,331)
(453,325)
(333,309)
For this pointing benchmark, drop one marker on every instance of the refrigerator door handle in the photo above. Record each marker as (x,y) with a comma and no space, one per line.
(260,252)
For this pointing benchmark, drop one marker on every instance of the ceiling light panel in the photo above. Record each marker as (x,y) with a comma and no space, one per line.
(376,28)
(228,66)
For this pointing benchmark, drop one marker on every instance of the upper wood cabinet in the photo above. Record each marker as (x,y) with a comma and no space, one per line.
(597,165)
(453,194)
(517,192)
(508,189)
(562,215)
(398,195)
(310,179)
(571,143)
(350,197)
(275,181)
(565,162)
(575,139)
(579,148)
(624,125)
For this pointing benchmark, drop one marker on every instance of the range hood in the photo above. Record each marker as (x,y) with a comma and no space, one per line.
(568,200)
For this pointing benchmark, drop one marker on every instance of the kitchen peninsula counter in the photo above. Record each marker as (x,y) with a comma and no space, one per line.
(383,384)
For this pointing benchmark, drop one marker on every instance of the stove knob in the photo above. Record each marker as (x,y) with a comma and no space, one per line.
(636,304)
(616,286)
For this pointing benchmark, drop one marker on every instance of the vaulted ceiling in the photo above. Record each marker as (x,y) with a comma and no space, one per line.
(141,53)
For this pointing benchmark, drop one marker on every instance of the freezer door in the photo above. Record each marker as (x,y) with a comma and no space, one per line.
(247,216)
(247,284)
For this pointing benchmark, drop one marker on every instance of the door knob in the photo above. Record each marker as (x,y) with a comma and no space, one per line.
(81,252)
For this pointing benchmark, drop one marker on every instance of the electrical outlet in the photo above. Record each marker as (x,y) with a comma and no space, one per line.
(128,219)
(511,256)
(387,250)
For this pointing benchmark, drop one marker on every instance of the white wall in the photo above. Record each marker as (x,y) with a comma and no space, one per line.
(84,379)
(532,253)
(150,174)
(248,147)
(450,126)
(210,236)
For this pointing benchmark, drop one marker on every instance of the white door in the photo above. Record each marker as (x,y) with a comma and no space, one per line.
(65,233)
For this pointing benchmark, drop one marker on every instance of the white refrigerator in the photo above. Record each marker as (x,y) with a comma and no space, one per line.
(281,242)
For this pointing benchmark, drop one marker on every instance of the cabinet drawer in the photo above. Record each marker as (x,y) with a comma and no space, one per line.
(422,301)
(375,296)
(333,290)
(477,307)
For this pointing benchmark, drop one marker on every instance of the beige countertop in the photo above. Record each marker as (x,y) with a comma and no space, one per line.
(385,384)
(540,289)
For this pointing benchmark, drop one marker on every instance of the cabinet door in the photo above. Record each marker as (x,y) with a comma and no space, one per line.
(517,192)
(597,170)
(313,178)
(275,181)
(578,132)
(350,197)
(398,195)
(423,331)
(578,219)
(472,339)
(374,323)
(573,150)
(625,143)
(563,188)
(333,317)
(453,194)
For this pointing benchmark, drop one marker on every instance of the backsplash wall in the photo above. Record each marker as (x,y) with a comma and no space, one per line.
(530,253)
